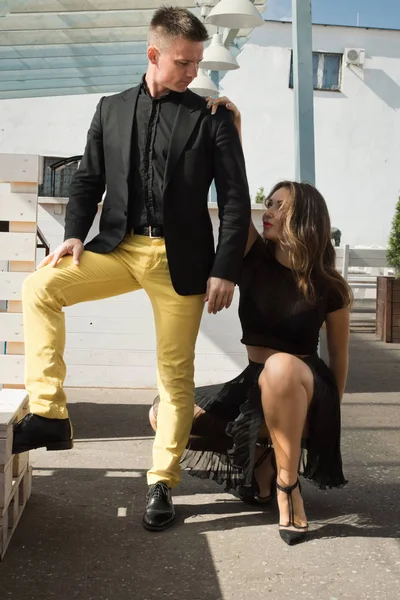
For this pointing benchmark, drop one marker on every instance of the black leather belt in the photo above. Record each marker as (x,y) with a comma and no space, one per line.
(153,231)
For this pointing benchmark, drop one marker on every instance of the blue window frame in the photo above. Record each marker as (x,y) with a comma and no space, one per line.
(327,68)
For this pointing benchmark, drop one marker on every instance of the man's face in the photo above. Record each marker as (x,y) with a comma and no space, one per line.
(177,62)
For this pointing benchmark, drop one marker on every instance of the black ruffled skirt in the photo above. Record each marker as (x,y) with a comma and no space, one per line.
(228,420)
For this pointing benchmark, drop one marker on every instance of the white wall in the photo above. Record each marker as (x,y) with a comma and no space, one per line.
(55,126)
(357,131)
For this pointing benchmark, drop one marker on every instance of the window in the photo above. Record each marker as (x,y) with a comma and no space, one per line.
(57,176)
(326,71)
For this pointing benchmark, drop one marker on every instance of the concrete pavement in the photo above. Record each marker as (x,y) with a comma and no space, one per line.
(81,535)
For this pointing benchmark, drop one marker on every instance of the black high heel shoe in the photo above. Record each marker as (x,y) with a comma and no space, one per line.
(291,533)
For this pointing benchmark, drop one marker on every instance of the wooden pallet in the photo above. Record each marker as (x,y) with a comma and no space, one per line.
(20,175)
(13,407)
(15,472)
(11,513)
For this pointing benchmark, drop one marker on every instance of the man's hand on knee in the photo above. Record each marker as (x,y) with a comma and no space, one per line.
(72,246)
(219,294)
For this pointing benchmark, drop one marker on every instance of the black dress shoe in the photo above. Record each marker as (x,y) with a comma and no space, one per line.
(160,512)
(34,431)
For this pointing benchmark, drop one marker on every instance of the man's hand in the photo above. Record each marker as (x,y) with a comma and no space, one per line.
(219,294)
(72,246)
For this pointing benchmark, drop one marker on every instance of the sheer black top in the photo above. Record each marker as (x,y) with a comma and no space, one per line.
(273,311)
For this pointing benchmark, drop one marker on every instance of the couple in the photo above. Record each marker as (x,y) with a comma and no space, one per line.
(155,150)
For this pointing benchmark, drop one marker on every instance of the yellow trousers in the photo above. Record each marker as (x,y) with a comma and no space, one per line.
(138,262)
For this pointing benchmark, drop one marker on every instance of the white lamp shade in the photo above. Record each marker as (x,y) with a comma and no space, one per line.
(235,14)
(217,57)
(203,85)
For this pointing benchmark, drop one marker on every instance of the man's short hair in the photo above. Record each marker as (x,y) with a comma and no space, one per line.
(173,23)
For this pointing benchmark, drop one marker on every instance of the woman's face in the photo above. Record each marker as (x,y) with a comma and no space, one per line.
(274,215)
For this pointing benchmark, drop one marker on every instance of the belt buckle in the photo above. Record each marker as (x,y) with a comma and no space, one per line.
(154,237)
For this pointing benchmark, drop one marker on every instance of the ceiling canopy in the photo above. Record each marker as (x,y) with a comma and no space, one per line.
(61,47)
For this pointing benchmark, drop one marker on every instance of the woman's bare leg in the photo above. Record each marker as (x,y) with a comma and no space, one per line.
(287,387)
(264,473)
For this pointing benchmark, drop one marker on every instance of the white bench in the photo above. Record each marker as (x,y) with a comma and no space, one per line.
(15,472)
(360,267)
(351,259)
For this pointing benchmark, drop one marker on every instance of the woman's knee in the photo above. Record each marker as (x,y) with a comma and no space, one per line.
(282,374)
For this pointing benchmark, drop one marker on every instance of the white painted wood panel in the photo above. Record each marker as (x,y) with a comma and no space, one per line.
(12,369)
(137,377)
(11,402)
(146,341)
(11,285)
(17,246)
(112,323)
(20,168)
(135,358)
(18,207)
(118,305)
(11,327)
(208,371)
(115,376)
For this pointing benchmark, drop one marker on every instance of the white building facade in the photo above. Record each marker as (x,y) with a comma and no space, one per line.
(357,128)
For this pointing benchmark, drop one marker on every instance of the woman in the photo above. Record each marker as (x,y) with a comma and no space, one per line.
(287,398)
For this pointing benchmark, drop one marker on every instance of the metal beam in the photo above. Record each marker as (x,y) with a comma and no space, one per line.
(303,91)
(32,6)
(73,36)
(65,50)
(38,84)
(73,62)
(89,89)
(76,20)
(35,75)
(79,36)
(230,34)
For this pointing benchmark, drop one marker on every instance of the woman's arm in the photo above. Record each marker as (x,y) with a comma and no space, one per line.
(253,235)
(213,104)
(338,334)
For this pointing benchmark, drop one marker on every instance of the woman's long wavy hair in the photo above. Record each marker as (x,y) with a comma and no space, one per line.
(307,240)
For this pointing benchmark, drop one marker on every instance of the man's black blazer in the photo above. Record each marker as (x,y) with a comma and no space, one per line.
(203,147)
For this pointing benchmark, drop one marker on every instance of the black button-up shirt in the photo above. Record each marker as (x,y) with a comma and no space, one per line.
(152,129)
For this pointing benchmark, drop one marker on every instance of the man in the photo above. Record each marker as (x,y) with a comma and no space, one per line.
(155,149)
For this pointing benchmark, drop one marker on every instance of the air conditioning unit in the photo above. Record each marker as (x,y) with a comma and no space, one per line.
(354,56)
